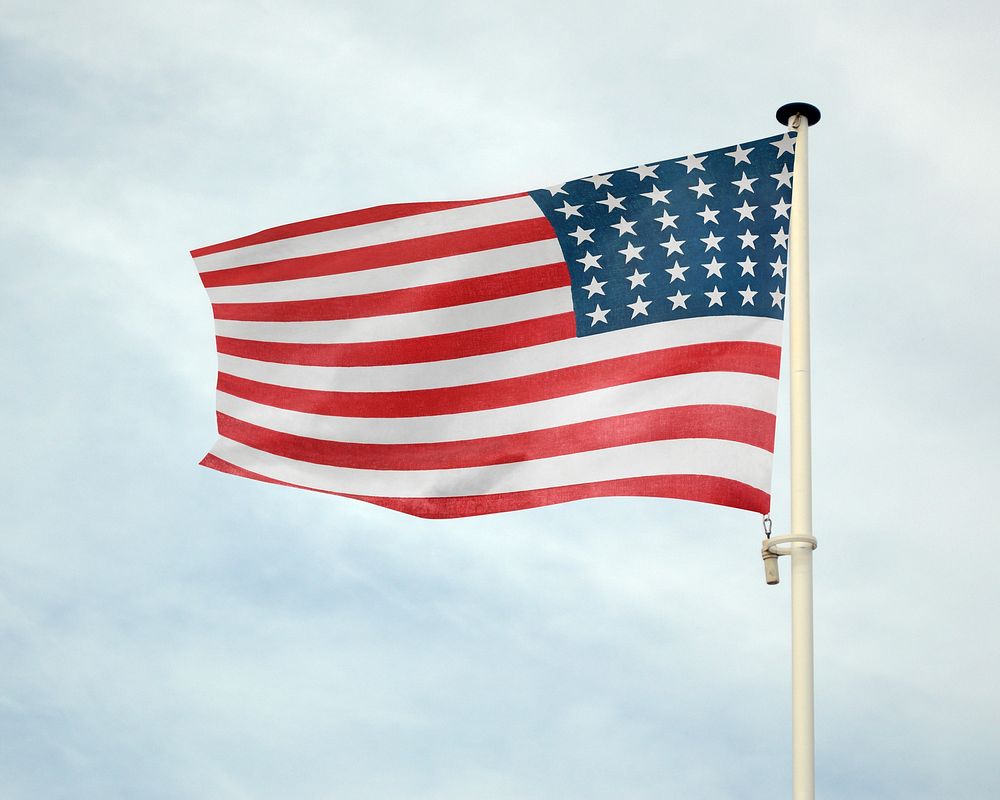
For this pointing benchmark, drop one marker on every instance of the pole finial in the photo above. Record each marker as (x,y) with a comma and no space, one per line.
(787,112)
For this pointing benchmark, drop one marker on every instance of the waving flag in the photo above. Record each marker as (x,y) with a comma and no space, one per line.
(614,335)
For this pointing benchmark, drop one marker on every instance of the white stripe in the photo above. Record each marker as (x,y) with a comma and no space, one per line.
(723,459)
(411,227)
(404,326)
(721,388)
(509,363)
(402,276)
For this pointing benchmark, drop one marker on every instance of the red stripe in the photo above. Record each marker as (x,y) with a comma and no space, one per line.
(402,301)
(337,221)
(416,350)
(700,488)
(388,254)
(748,357)
(730,423)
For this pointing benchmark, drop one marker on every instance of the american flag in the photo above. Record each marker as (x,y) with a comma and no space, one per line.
(614,335)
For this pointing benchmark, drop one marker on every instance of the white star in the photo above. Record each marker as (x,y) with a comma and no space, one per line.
(590,260)
(667,220)
(594,287)
(598,315)
(778,268)
(647,171)
(781,209)
(679,300)
(599,180)
(570,211)
(673,246)
(748,240)
(744,184)
(708,215)
(625,226)
(558,189)
(784,178)
(748,266)
(582,234)
(637,278)
(748,295)
(776,298)
(714,268)
(676,272)
(786,144)
(612,202)
(746,211)
(780,239)
(739,155)
(702,188)
(631,251)
(639,306)
(692,162)
(657,195)
(712,242)
(714,297)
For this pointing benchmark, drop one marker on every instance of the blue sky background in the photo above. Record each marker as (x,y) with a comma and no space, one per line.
(170,632)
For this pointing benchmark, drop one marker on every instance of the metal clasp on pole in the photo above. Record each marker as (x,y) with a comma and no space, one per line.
(770,549)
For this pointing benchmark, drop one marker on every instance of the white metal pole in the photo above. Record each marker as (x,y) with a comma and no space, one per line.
(803,747)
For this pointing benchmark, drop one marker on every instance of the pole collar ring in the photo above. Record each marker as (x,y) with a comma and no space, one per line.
(781,545)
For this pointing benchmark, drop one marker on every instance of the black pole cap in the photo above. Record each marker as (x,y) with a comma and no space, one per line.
(789,110)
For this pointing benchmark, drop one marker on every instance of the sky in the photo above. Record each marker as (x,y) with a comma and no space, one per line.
(167,631)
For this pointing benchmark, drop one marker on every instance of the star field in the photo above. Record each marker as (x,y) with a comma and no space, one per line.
(706,234)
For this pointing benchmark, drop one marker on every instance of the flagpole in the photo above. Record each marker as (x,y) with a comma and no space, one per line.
(800,116)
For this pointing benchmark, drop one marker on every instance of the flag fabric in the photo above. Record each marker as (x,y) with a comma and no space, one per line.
(614,335)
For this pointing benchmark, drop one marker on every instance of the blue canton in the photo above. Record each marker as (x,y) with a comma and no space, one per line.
(698,236)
